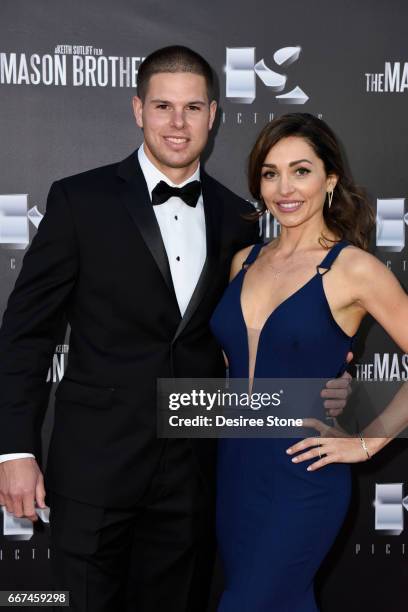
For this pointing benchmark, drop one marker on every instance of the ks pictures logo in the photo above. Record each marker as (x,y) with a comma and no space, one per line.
(389,507)
(14,220)
(16,529)
(391,222)
(241,70)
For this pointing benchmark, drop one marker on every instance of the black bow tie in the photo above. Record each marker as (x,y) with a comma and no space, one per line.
(189,193)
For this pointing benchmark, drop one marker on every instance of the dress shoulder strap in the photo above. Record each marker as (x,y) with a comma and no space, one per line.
(331,256)
(252,255)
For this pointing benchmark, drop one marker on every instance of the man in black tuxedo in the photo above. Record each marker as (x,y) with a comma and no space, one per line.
(136,255)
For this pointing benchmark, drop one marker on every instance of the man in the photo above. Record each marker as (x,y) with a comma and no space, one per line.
(137,267)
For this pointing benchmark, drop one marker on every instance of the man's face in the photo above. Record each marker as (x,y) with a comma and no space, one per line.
(176,117)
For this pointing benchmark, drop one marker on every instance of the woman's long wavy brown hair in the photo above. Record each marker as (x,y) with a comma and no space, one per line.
(350,216)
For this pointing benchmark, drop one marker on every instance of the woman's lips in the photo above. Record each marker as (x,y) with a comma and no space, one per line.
(289,206)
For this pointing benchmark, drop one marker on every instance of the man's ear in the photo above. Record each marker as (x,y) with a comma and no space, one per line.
(138,110)
(213,112)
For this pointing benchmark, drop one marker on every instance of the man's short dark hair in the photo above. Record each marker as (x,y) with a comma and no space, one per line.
(175,58)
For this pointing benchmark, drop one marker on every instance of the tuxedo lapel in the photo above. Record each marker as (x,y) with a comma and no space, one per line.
(213,222)
(135,196)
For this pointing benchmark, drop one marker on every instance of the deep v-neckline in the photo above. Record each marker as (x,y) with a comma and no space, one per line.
(278,307)
(242,273)
(318,275)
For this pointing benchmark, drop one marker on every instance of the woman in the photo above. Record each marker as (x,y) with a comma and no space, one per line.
(292,310)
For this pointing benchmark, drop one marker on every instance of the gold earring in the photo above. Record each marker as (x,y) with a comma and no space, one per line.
(330,197)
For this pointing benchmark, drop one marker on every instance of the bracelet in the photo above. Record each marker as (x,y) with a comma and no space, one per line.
(364,445)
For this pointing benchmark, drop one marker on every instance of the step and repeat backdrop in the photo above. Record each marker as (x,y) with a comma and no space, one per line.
(67,76)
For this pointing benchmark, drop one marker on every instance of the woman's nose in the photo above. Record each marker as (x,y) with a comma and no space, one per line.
(285,184)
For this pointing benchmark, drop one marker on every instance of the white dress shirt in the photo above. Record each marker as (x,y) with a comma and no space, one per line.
(10,456)
(183,232)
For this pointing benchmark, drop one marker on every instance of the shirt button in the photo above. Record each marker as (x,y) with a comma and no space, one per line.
(178,258)
(176,217)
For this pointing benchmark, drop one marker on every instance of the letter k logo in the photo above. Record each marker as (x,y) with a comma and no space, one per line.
(241,70)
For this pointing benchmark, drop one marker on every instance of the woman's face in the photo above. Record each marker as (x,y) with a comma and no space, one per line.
(294,182)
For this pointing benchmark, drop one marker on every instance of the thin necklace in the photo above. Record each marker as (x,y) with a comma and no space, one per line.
(276,272)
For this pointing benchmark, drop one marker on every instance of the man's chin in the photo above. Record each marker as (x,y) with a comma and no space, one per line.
(178,162)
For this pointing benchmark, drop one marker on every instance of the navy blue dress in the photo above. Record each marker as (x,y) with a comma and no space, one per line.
(276,521)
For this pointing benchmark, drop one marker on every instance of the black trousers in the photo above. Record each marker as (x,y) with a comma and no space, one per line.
(155,557)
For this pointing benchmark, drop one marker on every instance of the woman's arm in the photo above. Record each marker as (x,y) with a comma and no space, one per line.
(378,292)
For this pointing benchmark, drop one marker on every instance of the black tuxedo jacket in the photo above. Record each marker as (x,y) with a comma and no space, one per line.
(98,259)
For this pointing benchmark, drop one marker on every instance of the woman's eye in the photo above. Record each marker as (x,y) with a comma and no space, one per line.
(268,174)
(302,171)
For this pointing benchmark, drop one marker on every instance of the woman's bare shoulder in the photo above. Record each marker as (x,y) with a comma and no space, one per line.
(358,262)
(238,260)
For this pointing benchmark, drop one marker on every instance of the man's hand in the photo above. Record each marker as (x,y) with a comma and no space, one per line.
(336,394)
(21,486)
